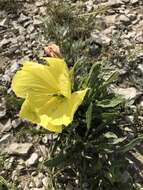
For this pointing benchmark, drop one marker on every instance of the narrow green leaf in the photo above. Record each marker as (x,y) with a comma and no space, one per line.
(118,140)
(113,77)
(89,115)
(110,135)
(132,144)
(95,67)
(110,103)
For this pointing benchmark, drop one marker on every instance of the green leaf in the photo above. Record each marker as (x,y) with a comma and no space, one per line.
(131,144)
(113,77)
(113,138)
(110,103)
(58,160)
(118,140)
(65,157)
(94,69)
(89,115)
(110,135)
(109,116)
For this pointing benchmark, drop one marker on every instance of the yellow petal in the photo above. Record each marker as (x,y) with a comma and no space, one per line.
(59,70)
(34,78)
(46,124)
(60,110)
(27,112)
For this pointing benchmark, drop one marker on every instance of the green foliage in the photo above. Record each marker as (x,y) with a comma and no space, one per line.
(4,185)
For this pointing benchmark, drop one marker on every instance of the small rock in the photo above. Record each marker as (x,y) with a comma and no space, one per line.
(108,31)
(16,123)
(4,22)
(140,68)
(43,151)
(127,93)
(34,173)
(31,185)
(45,181)
(30,29)
(20,164)
(9,162)
(40,175)
(134,1)
(38,182)
(110,19)
(37,22)
(115,3)
(5,138)
(23,18)
(141,103)
(4,42)
(32,160)
(39,3)
(14,67)
(14,175)
(126,1)
(45,139)
(139,38)
(18,148)
(26,24)
(130,118)
(132,16)
(43,11)
(89,5)
(5,126)
(124,19)
(2,108)
(100,38)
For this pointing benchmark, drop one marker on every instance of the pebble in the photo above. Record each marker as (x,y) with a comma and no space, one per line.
(100,38)
(16,123)
(14,67)
(4,42)
(45,181)
(38,183)
(134,1)
(110,19)
(127,93)
(4,22)
(39,3)
(2,108)
(23,18)
(5,138)
(115,3)
(18,148)
(124,19)
(6,126)
(32,160)
(140,68)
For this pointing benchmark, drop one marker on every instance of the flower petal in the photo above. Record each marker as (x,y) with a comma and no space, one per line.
(60,110)
(34,78)
(46,124)
(59,70)
(27,112)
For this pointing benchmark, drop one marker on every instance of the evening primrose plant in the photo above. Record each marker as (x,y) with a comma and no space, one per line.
(46,89)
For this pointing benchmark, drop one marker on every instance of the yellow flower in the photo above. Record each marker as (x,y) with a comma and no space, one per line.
(46,89)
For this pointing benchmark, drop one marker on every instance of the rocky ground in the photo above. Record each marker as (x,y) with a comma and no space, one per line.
(22,38)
